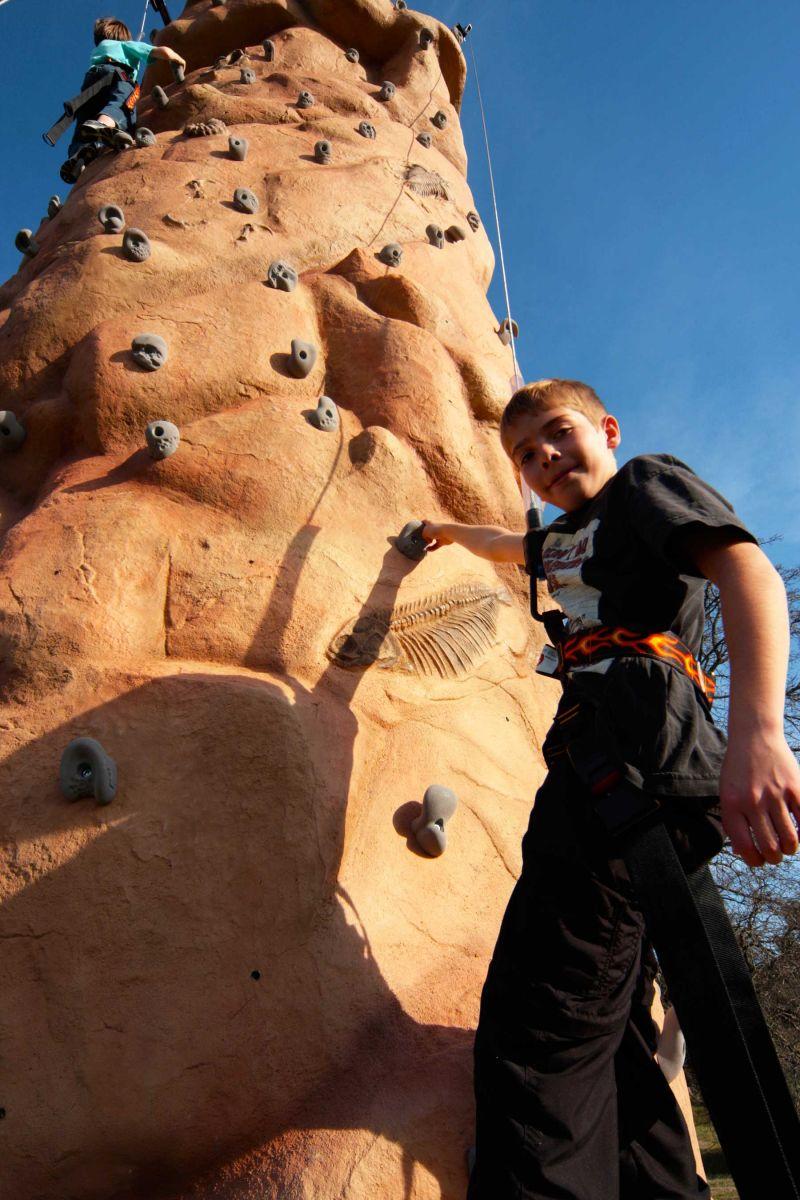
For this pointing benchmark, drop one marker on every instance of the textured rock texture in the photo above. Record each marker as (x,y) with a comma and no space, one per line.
(241,979)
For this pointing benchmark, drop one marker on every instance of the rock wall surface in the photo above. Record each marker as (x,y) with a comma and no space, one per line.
(242,978)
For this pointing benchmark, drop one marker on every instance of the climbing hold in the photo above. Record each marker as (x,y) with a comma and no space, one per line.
(425,140)
(302,358)
(474,221)
(177,72)
(136,245)
(454,233)
(12,432)
(237,148)
(439,119)
(53,206)
(217,3)
(160,97)
(438,805)
(205,128)
(366,130)
(162,438)
(323,152)
(145,137)
(247,75)
(352,54)
(86,770)
(392,254)
(236,56)
(436,236)
(281,276)
(25,244)
(387,90)
(149,351)
(245,200)
(411,542)
(305,100)
(400,5)
(325,416)
(269,50)
(111,218)
(426,38)
(506,331)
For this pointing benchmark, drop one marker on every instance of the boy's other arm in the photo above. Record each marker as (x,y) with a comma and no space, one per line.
(487,541)
(760,779)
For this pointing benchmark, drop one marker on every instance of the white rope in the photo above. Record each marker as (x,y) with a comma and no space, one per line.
(144,19)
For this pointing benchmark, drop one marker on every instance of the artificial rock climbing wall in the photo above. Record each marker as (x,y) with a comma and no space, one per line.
(244,976)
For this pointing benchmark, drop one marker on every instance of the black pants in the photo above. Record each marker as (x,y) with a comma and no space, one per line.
(571,1103)
(110,101)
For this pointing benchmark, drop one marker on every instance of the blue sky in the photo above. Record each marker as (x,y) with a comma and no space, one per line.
(647,166)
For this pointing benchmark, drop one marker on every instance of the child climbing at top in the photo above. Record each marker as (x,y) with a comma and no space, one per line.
(109,118)
(570,1101)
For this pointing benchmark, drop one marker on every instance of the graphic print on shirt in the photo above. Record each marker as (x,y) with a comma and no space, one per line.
(563,556)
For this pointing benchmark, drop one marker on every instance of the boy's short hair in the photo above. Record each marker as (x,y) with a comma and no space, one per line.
(537,397)
(111,30)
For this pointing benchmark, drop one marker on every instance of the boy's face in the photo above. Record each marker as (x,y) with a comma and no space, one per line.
(562,456)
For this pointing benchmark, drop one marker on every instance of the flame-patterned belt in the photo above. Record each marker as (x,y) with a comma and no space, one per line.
(605,641)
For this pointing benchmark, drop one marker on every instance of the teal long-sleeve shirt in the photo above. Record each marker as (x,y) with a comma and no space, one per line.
(127,54)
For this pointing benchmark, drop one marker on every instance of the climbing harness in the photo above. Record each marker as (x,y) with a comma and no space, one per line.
(72,106)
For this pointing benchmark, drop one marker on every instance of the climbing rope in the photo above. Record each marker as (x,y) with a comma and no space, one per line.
(144,18)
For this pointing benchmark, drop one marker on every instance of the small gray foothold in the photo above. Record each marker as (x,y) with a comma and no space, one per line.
(387,90)
(245,200)
(177,72)
(217,3)
(149,351)
(25,244)
(506,331)
(145,137)
(366,130)
(426,38)
(236,56)
(411,542)
(352,55)
(269,49)
(323,152)
(439,119)
(86,770)
(305,100)
(162,438)
(436,236)
(160,97)
(438,805)
(400,5)
(247,75)
(425,139)
(302,358)
(474,221)
(237,148)
(391,254)
(136,245)
(281,276)
(12,431)
(53,206)
(111,218)
(325,416)
(455,233)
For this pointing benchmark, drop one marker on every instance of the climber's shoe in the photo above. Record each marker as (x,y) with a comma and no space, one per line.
(74,167)
(109,135)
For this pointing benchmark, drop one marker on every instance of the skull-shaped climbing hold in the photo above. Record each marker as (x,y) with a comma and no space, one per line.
(438,805)
(162,438)
(149,350)
(391,254)
(400,5)
(305,100)
(411,542)
(325,416)
(436,236)
(352,54)
(366,130)
(160,97)
(387,90)
(247,75)
(281,276)
(439,119)
(323,152)
(12,432)
(454,233)
(426,38)
(25,244)
(145,137)
(111,218)
(86,770)
(474,221)
(237,148)
(302,358)
(136,245)
(507,330)
(245,200)
(269,49)
(425,140)
(53,206)
(177,72)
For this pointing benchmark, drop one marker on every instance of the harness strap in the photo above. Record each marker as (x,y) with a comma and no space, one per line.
(71,107)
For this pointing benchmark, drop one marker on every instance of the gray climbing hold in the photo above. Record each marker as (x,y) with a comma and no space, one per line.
(160,97)
(387,90)
(474,221)
(323,152)
(507,330)
(111,218)
(425,139)
(352,55)
(153,35)
(281,276)
(438,805)
(86,770)
(426,38)
(411,542)
(236,56)
(237,148)
(247,75)
(302,358)
(436,236)
(145,137)
(217,3)
(162,438)
(366,130)
(269,49)
(439,119)
(391,254)
(400,5)
(454,233)
(12,432)
(177,72)
(245,200)
(136,245)
(305,100)
(325,416)
(25,244)
(53,206)
(149,351)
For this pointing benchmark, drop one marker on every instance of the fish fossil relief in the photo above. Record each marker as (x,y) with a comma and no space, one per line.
(443,635)
(427,183)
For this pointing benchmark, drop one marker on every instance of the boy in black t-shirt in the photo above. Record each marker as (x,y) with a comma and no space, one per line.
(570,1100)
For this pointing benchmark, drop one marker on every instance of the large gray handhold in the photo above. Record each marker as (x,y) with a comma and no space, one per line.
(136,245)
(12,432)
(281,276)
(302,358)
(269,49)
(454,233)
(439,119)
(149,351)
(245,200)
(366,130)
(426,38)
(438,805)
(86,770)
(387,90)
(425,140)
(247,75)
(111,218)
(145,137)
(508,330)
(474,221)
(305,100)
(436,236)
(237,148)
(53,206)
(325,416)
(160,97)
(411,542)
(352,55)
(177,72)
(162,438)
(25,244)
(323,152)
(392,254)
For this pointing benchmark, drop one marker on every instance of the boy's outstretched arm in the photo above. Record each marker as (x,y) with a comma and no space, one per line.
(760,779)
(487,541)
(167,54)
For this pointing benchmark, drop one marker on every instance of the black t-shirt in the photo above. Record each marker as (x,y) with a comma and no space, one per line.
(616,561)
